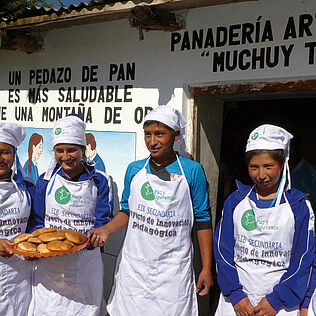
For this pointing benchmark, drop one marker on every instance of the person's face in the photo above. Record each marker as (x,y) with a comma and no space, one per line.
(69,157)
(265,172)
(37,151)
(6,160)
(159,141)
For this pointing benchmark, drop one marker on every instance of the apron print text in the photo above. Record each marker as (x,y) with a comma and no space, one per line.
(12,226)
(71,221)
(156,226)
(258,252)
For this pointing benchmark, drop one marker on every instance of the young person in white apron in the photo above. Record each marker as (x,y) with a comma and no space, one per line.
(16,197)
(162,198)
(70,195)
(264,242)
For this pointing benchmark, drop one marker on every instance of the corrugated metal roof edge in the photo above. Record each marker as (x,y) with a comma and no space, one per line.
(38,10)
(96,11)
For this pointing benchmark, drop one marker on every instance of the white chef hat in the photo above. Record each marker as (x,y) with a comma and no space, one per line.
(172,118)
(69,130)
(12,134)
(271,137)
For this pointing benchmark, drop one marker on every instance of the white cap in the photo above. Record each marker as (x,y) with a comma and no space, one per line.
(12,134)
(174,119)
(69,130)
(271,137)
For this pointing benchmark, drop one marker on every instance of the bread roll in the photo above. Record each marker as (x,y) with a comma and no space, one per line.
(42,248)
(47,237)
(69,242)
(34,240)
(22,237)
(58,245)
(27,246)
(42,231)
(76,237)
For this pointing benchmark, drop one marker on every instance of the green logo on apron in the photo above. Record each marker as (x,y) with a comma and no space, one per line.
(255,136)
(248,220)
(62,195)
(57,131)
(147,192)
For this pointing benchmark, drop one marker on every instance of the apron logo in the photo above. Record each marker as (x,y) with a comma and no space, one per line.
(255,136)
(147,192)
(57,131)
(62,195)
(248,220)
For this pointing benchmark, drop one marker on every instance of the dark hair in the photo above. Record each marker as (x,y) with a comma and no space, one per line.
(91,141)
(35,139)
(147,123)
(276,154)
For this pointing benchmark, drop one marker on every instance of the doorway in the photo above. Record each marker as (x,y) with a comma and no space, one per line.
(223,124)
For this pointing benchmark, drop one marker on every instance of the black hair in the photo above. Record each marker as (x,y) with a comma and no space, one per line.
(276,154)
(147,123)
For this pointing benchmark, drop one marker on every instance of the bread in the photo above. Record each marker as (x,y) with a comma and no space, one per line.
(26,246)
(69,242)
(76,237)
(47,237)
(22,237)
(50,240)
(58,245)
(42,248)
(42,231)
(34,240)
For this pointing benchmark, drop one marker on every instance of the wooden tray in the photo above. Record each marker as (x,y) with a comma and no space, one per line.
(30,254)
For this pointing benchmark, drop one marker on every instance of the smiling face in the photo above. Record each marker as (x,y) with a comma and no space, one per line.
(159,141)
(69,157)
(265,172)
(6,160)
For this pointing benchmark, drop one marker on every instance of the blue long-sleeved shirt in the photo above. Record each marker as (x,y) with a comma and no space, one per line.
(290,291)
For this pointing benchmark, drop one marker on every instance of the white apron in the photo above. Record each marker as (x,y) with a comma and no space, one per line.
(154,271)
(312,305)
(15,272)
(262,253)
(70,284)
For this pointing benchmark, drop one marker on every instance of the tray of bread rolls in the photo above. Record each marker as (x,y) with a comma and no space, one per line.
(49,242)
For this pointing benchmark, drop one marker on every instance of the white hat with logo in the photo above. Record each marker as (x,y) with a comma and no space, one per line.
(271,137)
(68,130)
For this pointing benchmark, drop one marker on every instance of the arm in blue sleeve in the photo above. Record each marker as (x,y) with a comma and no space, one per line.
(126,191)
(37,216)
(104,205)
(199,196)
(224,244)
(312,286)
(291,289)
(31,190)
